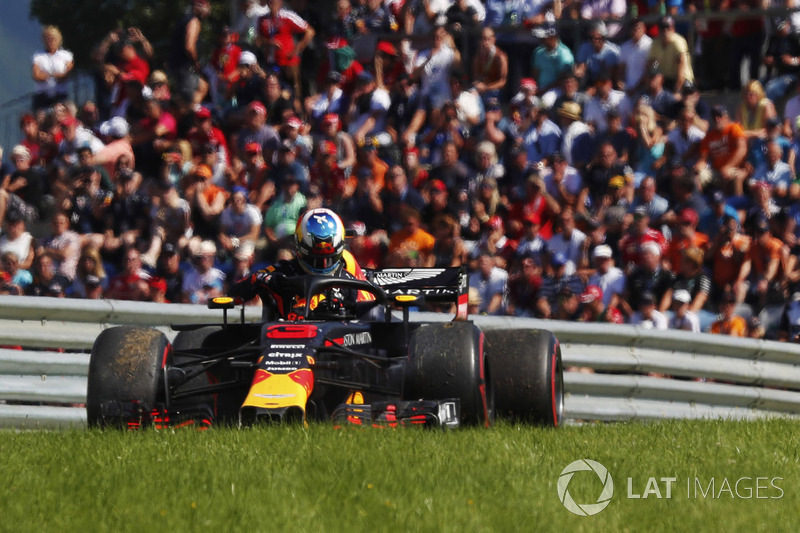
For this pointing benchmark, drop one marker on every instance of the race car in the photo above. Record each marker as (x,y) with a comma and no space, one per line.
(334,359)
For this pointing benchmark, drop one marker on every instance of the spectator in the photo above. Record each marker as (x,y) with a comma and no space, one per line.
(576,145)
(50,70)
(493,240)
(536,206)
(608,278)
(565,184)
(747,34)
(755,110)
(682,318)
(239,222)
(567,306)
(63,246)
(647,316)
(90,275)
(683,142)
(649,277)
(342,141)
(17,240)
(595,310)
(46,279)
(685,236)
(411,241)
(605,99)
(169,270)
(722,154)
(283,214)
(432,69)
(523,288)
(634,59)
(132,282)
(553,283)
(490,67)
(782,57)
(203,280)
(597,55)
(492,284)
(632,244)
(543,138)
(368,109)
(566,91)
(774,173)
(448,248)
(766,256)
(569,241)
(18,276)
(647,197)
(184,61)
(243,257)
(550,60)
(729,323)
(692,278)
(672,53)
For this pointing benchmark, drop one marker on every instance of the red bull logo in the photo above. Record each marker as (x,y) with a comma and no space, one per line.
(324,248)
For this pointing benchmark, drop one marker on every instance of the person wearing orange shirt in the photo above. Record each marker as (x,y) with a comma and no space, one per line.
(766,272)
(722,154)
(729,323)
(730,262)
(411,243)
(685,237)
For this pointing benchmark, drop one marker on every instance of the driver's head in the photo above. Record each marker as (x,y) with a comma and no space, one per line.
(320,241)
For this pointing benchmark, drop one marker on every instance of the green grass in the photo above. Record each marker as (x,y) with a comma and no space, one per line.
(320,479)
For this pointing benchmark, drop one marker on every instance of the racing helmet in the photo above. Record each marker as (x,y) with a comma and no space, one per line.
(320,241)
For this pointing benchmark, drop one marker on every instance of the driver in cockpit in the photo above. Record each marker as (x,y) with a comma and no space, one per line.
(319,238)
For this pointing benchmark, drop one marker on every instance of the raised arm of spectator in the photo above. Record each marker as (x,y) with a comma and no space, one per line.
(135,35)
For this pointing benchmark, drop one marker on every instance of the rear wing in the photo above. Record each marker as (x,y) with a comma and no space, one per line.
(436,285)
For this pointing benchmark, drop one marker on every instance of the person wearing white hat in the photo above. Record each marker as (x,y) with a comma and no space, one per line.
(682,318)
(608,276)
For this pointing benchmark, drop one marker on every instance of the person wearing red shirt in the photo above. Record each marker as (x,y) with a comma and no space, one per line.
(132,282)
(537,207)
(224,61)
(327,175)
(639,233)
(205,133)
(276,31)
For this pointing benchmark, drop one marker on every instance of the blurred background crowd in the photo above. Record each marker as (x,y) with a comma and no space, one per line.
(626,162)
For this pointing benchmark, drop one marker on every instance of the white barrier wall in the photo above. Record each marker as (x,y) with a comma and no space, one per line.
(615,372)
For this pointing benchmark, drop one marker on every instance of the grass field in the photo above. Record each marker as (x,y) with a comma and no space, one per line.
(320,479)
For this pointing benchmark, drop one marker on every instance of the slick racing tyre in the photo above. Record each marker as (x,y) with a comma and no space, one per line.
(446,360)
(127,365)
(527,373)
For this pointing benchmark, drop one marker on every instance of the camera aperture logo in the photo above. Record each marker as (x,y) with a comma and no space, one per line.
(585,509)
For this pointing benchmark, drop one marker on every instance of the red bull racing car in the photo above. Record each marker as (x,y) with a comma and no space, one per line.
(350,363)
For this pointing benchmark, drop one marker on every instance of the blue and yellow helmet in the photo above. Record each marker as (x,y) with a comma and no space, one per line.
(320,241)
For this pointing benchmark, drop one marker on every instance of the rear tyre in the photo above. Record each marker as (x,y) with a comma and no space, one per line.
(446,360)
(528,375)
(127,365)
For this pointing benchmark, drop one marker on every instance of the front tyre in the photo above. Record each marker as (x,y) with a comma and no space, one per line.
(127,365)
(446,360)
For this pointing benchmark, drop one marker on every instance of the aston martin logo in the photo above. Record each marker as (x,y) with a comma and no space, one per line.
(394,276)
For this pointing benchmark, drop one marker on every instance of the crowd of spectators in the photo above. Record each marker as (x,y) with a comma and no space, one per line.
(578,179)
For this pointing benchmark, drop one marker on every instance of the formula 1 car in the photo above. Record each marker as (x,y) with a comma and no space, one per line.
(352,363)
